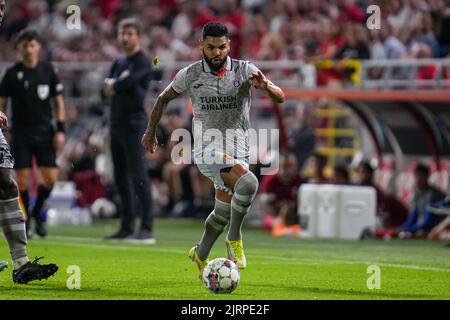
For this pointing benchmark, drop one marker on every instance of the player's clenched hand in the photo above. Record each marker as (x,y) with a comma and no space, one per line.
(149,142)
(3,120)
(258,80)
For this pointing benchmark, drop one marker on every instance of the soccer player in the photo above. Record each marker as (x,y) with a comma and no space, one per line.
(11,218)
(33,86)
(127,86)
(219,88)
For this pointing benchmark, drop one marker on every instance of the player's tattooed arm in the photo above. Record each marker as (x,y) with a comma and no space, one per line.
(149,139)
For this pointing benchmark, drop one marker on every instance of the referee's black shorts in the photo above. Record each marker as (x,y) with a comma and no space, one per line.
(25,145)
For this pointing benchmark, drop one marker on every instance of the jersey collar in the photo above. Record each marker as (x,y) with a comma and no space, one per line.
(206,68)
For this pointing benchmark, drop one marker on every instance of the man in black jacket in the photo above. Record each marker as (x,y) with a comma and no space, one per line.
(127,85)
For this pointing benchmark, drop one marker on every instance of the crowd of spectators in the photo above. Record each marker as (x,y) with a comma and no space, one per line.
(260,29)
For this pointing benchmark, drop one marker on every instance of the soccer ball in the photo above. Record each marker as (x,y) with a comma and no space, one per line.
(221,276)
(103,208)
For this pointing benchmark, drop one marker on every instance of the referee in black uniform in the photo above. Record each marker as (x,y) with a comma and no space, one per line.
(32,86)
(12,222)
(127,85)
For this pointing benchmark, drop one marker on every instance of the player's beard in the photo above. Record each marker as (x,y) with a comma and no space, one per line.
(216,67)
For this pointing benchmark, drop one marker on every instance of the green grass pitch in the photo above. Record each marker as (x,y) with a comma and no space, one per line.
(278,268)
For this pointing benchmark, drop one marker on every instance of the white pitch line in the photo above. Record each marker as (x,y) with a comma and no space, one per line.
(354,262)
(94,243)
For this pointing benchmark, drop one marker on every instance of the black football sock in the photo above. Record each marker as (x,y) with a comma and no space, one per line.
(43,194)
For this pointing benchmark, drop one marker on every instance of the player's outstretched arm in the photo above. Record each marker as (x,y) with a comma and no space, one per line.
(259,81)
(149,139)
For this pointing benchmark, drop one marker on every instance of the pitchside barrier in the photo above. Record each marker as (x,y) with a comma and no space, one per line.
(336,212)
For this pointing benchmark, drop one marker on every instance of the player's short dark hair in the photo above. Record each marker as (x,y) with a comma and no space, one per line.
(214,29)
(28,35)
(422,169)
(131,23)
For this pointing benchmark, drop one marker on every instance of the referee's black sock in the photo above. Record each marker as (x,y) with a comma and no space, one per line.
(43,194)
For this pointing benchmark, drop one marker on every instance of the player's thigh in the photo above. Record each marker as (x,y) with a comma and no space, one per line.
(8,187)
(232,174)
(223,196)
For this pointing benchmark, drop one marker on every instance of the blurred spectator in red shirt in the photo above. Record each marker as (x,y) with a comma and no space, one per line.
(279,193)
(109,7)
(198,14)
(331,40)
(349,12)
(232,16)
(254,30)
(392,213)
(427,72)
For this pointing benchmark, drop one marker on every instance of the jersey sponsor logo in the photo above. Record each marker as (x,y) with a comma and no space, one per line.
(219,103)
(43,90)
(236,83)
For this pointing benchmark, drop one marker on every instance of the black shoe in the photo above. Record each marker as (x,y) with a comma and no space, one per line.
(143,237)
(120,235)
(34,271)
(40,228)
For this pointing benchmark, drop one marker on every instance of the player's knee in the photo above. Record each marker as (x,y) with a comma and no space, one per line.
(247,185)
(8,188)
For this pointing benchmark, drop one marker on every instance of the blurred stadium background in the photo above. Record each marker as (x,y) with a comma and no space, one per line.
(353,94)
